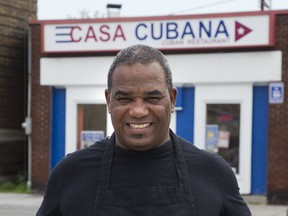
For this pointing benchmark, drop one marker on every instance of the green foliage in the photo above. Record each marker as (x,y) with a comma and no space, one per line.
(16,186)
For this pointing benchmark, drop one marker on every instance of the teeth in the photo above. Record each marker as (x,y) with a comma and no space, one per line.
(139,126)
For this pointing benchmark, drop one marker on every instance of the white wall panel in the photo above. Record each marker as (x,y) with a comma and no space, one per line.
(186,69)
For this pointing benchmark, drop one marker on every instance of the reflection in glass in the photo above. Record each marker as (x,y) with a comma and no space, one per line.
(222,132)
(91,124)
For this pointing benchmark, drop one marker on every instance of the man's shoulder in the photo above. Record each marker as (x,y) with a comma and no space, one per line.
(95,150)
(187,147)
(89,156)
(200,156)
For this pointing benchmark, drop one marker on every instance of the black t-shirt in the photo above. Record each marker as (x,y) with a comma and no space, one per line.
(143,168)
(72,185)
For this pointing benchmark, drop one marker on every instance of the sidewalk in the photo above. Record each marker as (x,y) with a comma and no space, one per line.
(19,204)
(27,204)
(268,210)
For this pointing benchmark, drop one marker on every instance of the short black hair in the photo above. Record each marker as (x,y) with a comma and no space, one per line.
(142,54)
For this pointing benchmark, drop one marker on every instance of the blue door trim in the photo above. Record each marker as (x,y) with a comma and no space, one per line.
(259,140)
(185,116)
(185,128)
(58,126)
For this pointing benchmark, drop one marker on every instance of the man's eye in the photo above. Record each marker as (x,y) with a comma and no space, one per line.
(123,100)
(153,99)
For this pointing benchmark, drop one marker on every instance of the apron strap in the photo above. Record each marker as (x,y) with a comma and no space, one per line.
(106,166)
(182,171)
(180,163)
(105,170)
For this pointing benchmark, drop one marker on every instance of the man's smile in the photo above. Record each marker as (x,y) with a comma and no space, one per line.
(139,126)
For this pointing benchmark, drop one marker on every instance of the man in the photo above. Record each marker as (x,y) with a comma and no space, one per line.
(143,168)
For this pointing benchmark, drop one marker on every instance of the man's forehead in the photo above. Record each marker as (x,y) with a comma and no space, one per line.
(148,92)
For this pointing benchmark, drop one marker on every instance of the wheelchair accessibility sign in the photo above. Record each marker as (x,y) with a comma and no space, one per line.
(276,93)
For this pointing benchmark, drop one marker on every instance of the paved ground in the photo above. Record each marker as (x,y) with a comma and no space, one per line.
(27,205)
(19,204)
(268,210)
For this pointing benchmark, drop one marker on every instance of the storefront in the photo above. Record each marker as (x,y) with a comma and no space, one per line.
(222,66)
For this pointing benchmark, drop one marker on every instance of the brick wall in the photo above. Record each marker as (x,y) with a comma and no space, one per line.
(14,17)
(278,126)
(41,114)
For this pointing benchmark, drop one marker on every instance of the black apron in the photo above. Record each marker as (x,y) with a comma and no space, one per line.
(148,201)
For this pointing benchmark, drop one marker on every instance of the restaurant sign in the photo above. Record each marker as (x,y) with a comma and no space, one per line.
(165,33)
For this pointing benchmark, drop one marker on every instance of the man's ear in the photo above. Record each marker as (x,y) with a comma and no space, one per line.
(107,97)
(173,96)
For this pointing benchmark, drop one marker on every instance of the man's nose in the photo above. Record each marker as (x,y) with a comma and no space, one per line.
(138,109)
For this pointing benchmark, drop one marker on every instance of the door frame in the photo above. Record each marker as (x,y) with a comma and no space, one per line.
(81,95)
(226,94)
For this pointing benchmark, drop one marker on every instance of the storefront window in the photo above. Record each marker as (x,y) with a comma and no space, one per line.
(91,124)
(222,132)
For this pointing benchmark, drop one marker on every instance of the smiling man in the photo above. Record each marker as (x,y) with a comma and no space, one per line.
(143,168)
(140,105)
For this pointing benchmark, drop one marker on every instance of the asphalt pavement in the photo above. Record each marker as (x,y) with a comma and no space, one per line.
(27,205)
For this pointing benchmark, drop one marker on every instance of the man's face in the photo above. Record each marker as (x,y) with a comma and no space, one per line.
(140,106)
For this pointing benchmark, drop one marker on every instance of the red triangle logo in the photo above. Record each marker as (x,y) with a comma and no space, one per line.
(241,30)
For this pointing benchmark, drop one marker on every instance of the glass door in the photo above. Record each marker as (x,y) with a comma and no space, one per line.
(91,124)
(223,125)
(223,132)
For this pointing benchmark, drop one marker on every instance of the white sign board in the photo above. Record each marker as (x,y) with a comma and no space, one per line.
(90,137)
(165,33)
(276,93)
